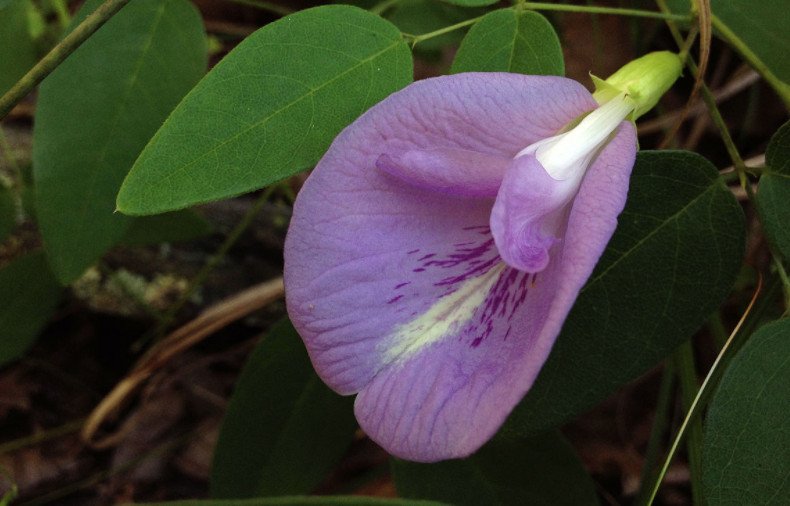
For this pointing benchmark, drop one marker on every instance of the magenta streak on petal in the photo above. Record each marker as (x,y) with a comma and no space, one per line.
(474,259)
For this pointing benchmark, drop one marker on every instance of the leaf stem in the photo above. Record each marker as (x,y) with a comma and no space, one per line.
(660,422)
(687,379)
(593,9)
(713,110)
(702,394)
(415,39)
(542,6)
(60,52)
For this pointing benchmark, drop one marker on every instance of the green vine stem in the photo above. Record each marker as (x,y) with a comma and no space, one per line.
(781,87)
(732,150)
(660,423)
(415,39)
(541,6)
(60,52)
(704,391)
(592,9)
(687,380)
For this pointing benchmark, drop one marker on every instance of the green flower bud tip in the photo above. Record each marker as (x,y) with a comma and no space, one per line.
(644,80)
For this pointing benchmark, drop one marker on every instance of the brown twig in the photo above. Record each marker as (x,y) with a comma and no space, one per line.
(732,88)
(703,14)
(209,321)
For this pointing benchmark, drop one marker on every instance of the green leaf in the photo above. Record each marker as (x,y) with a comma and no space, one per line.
(29,294)
(7,212)
(511,41)
(168,227)
(96,112)
(773,195)
(746,448)
(337,500)
(540,470)
(673,259)
(424,16)
(284,429)
(17,47)
(761,25)
(270,108)
(777,156)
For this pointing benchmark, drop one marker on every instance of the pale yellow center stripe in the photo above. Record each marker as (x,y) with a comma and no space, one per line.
(443,318)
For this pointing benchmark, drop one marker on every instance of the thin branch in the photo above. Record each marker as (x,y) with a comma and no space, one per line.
(60,52)
(729,90)
(615,11)
(703,392)
(782,88)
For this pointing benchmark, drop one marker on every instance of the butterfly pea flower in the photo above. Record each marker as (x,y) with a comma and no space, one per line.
(438,246)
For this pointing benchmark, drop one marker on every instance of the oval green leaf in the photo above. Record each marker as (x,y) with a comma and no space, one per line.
(746,447)
(508,40)
(29,294)
(773,194)
(270,108)
(539,470)
(673,259)
(284,429)
(96,112)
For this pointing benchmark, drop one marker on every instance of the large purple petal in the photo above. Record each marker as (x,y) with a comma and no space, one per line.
(450,398)
(384,274)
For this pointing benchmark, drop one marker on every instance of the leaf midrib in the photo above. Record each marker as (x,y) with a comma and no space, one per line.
(122,105)
(273,113)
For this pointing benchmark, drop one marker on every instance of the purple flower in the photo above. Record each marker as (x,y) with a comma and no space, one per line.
(438,246)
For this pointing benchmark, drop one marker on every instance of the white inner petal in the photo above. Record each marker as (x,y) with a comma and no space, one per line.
(566,156)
